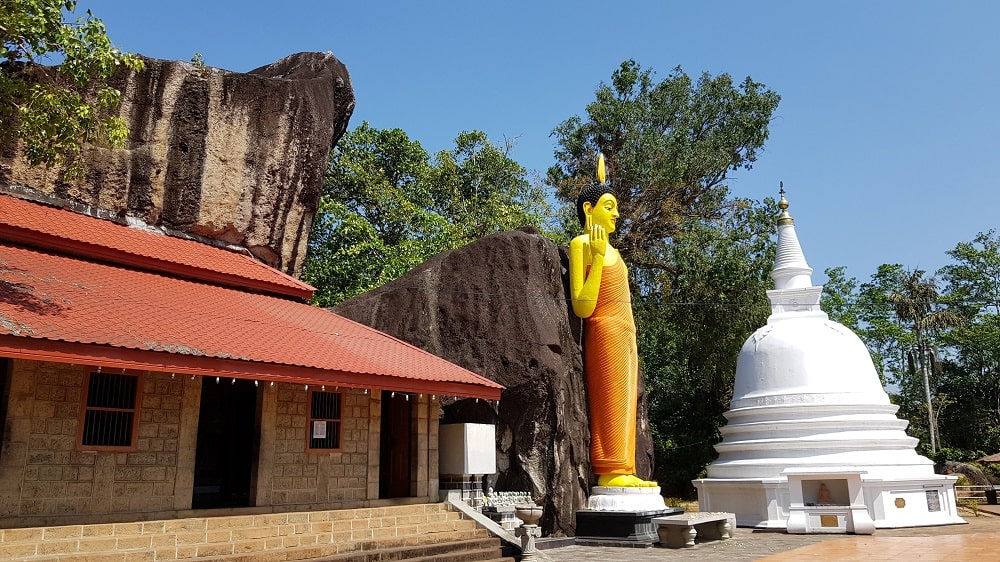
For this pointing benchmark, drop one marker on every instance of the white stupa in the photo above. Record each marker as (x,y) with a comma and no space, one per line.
(812,442)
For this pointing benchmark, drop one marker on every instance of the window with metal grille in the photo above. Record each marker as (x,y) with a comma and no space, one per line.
(110,416)
(324,420)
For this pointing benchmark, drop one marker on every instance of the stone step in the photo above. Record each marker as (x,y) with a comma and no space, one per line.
(290,523)
(476,549)
(479,549)
(256,538)
(484,555)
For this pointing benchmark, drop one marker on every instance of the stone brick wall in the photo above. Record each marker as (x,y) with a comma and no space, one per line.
(337,477)
(42,470)
(45,479)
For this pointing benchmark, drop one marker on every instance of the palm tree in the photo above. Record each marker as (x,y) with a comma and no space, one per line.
(915,305)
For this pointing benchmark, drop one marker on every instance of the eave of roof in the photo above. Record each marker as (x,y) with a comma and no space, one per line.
(58,305)
(132,360)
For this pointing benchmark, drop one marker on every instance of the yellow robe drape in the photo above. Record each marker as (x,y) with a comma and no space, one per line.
(611,365)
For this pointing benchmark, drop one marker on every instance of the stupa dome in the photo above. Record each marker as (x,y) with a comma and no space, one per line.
(801,357)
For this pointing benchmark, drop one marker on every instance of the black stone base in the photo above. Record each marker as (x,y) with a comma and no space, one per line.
(619,528)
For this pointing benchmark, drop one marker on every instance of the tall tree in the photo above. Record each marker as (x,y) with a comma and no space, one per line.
(917,306)
(669,146)
(54,110)
(387,206)
(972,289)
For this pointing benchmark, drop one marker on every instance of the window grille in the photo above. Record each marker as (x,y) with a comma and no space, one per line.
(111,411)
(324,420)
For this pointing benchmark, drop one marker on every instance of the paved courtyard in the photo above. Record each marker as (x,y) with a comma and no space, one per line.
(978,540)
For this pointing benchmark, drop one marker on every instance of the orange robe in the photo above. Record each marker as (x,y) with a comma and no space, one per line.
(611,365)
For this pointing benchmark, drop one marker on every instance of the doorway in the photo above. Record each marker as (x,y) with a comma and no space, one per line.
(394,456)
(225,463)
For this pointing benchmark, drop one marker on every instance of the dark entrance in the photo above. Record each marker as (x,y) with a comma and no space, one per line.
(228,433)
(394,459)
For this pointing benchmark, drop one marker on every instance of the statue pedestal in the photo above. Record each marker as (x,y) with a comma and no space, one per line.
(621,517)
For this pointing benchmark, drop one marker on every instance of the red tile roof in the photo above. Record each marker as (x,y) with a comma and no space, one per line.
(40,225)
(64,308)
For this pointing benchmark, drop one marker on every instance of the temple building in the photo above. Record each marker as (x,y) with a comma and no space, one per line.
(812,442)
(147,376)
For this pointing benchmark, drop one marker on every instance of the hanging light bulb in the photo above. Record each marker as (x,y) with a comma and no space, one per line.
(323,388)
(234,381)
(366,392)
(256,384)
(407,397)
(307,387)
(173,376)
(216,380)
(272,383)
(98,369)
(192,377)
(434,396)
(392,394)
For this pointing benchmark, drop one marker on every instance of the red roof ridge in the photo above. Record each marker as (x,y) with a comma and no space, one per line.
(45,225)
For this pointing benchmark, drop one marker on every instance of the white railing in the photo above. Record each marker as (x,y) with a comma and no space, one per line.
(966,493)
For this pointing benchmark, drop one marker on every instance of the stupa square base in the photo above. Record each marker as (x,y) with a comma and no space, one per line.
(619,528)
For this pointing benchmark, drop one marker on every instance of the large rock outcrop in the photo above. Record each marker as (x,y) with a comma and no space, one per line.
(234,157)
(498,307)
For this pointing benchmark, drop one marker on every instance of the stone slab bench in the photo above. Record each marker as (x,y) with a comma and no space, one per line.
(680,531)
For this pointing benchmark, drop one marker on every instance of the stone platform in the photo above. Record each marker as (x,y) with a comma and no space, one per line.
(619,528)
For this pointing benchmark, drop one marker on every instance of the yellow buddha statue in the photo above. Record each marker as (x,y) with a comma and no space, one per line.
(600,295)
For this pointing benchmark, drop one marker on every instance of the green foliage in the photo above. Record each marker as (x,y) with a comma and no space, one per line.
(386,207)
(974,279)
(898,313)
(53,111)
(838,299)
(480,190)
(972,374)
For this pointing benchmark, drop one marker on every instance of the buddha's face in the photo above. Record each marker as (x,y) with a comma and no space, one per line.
(605,212)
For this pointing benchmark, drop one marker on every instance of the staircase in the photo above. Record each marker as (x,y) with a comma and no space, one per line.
(414,533)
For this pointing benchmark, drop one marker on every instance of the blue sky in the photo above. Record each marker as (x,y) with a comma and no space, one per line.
(885,136)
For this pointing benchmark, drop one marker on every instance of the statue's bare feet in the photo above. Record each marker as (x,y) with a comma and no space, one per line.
(624,481)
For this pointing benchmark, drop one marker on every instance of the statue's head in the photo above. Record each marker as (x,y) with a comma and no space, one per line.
(587,204)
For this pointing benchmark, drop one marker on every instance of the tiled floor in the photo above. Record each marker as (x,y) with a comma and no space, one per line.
(977,546)
(979,540)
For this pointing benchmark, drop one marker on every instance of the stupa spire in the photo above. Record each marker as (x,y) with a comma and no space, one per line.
(790,268)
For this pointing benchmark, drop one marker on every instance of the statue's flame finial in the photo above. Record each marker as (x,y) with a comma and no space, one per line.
(600,167)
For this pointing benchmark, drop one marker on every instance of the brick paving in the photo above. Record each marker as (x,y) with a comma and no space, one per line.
(750,545)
